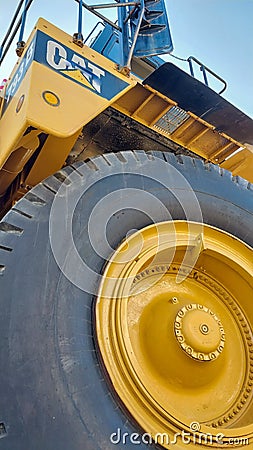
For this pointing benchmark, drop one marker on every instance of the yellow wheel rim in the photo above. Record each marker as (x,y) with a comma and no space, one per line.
(175,333)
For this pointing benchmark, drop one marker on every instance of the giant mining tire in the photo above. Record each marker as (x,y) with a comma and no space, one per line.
(56,392)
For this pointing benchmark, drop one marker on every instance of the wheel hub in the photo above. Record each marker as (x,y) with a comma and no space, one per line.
(172,358)
(199,332)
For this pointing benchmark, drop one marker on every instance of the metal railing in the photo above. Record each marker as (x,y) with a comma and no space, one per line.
(204,69)
(19,20)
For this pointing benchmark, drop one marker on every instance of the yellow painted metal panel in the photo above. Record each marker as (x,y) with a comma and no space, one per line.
(51,159)
(241,164)
(76,107)
(13,124)
(56,88)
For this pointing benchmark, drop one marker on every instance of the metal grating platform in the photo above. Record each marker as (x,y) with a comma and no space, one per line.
(171,120)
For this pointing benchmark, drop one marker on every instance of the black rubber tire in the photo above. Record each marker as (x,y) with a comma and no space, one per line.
(53,392)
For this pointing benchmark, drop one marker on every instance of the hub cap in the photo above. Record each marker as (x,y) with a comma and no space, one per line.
(199,332)
(176,338)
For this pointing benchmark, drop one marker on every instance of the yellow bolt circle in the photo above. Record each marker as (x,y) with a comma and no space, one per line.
(199,332)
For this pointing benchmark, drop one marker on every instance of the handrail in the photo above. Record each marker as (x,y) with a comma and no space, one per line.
(11,26)
(21,43)
(21,21)
(99,15)
(20,24)
(92,31)
(205,69)
(78,37)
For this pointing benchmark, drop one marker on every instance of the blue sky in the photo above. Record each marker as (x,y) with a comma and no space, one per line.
(217,32)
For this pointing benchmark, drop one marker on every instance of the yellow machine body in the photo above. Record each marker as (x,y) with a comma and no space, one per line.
(56,102)
(56,88)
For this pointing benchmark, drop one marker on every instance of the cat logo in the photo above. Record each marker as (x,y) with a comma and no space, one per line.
(75,66)
(46,51)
